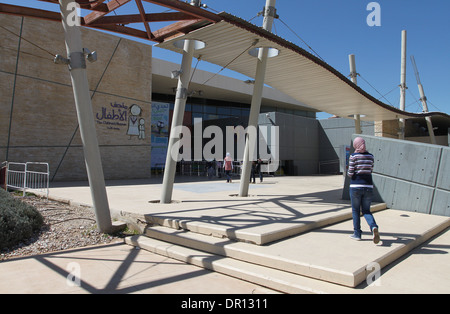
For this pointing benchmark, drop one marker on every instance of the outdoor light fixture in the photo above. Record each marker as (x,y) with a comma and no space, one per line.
(61,60)
(273,52)
(198,44)
(353,115)
(197,3)
(90,56)
(175,74)
(195,92)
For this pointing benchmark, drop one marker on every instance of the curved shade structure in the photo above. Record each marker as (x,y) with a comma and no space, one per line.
(291,69)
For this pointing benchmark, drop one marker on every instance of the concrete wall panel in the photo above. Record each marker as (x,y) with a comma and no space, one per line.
(443,181)
(410,176)
(299,141)
(404,160)
(441,203)
(335,133)
(399,194)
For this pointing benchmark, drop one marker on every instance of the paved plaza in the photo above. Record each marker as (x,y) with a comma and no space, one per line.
(299,224)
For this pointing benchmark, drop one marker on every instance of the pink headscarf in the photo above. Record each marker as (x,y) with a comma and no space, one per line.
(359,144)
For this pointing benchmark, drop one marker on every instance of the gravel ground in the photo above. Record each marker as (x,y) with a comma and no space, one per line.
(65,227)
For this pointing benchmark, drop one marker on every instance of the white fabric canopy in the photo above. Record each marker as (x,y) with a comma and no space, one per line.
(293,71)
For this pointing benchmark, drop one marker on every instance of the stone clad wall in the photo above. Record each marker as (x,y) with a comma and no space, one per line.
(38,119)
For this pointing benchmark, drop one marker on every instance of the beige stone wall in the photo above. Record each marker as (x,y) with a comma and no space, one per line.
(388,128)
(38,119)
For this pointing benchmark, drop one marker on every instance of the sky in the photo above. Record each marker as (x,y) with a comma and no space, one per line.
(336,28)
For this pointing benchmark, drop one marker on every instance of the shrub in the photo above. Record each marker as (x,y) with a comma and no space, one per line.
(18,220)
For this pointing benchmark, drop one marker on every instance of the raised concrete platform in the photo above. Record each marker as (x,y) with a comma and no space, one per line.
(325,253)
(300,224)
(277,208)
(256,219)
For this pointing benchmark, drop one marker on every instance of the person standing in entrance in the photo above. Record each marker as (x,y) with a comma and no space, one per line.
(361,189)
(259,170)
(228,166)
(252,172)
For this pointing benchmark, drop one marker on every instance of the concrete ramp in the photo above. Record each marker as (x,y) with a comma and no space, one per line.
(321,260)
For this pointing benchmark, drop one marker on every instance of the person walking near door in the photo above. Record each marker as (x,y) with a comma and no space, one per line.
(228,166)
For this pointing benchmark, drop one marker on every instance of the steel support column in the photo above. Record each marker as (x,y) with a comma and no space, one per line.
(353,76)
(250,143)
(80,85)
(401,134)
(177,122)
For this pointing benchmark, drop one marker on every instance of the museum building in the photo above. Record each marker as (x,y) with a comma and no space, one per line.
(133,96)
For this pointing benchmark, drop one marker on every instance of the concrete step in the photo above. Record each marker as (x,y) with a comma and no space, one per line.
(325,254)
(272,226)
(268,277)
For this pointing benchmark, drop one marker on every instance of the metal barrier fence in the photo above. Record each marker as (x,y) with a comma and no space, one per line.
(29,176)
(210,168)
(204,168)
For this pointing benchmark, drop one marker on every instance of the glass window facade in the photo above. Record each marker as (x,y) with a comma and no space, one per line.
(210,109)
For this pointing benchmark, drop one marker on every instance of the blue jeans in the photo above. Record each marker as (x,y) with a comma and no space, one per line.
(361,200)
(228,174)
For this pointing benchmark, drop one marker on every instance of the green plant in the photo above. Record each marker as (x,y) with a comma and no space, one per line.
(18,220)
